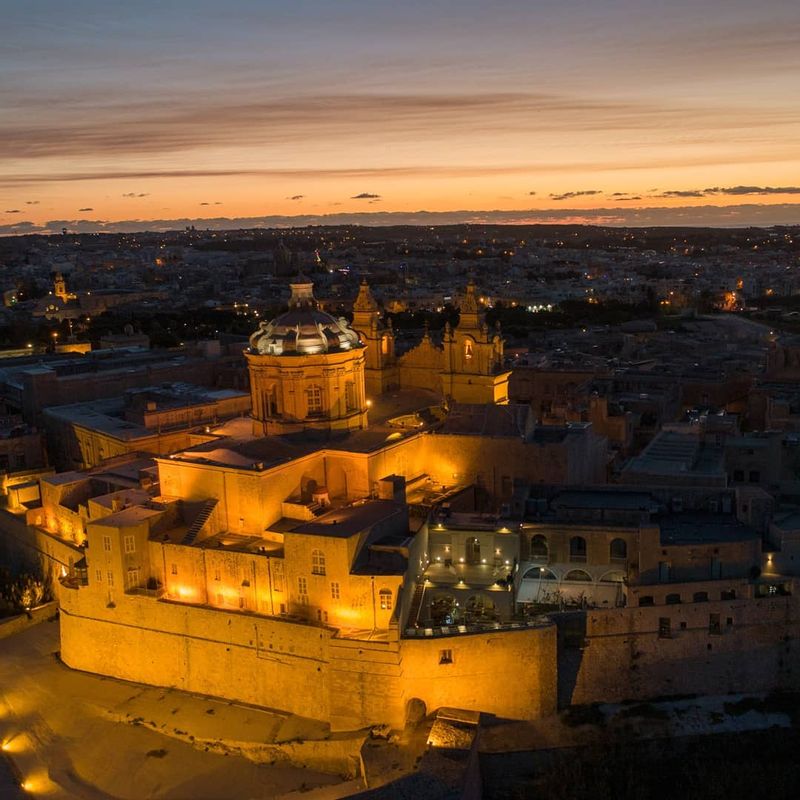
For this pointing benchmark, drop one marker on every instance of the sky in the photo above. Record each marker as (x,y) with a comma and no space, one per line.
(150,114)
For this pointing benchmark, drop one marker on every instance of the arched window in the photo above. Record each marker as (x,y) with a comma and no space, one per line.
(701,597)
(577,549)
(673,599)
(314,400)
(385,596)
(467,350)
(646,600)
(578,575)
(619,550)
(539,549)
(539,574)
(317,562)
(271,402)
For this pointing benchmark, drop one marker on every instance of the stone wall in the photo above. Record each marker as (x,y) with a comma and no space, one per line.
(620,654)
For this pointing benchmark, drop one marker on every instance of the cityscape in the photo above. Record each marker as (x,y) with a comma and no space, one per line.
(351,447)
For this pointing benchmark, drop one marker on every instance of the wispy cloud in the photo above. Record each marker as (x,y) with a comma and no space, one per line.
(136,194)
(735,191)
(86,209)
(366,196)
(12,211)
(296,197)
(571,195)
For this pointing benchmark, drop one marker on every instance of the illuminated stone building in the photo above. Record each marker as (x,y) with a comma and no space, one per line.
(306,370)
(278,559)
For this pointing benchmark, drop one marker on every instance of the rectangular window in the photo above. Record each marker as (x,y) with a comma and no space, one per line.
(107,544)
(350,395)
(302,585)
(174,569)
(98,574)
(386,600)
(664,631)
(110,578)
(335,590)
(132,579)
(445,656)
(130,544)
(754,476)
(714,627)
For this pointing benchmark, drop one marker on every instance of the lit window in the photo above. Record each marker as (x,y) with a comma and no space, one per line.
(317,562)
(445,656)
(107,544)
(335,590)
(130,544)
(386,599)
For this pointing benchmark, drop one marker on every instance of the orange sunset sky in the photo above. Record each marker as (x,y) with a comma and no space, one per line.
(146,111)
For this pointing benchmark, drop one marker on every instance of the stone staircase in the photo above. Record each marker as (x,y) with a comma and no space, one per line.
(199,521)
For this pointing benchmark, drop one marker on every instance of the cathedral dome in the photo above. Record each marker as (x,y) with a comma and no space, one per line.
(304,329)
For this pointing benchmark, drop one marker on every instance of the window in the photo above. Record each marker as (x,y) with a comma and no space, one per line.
(618,550)
(302,585)
(174,569)
(730,594)
(714,626)
(664,630)
(132,579)
(754,476)
(445,656)
(110,578)
(314,400)
(646,600)
(673,599)
(386,599)
(729,621)
(335,590)
(107,544)
(317,562)
(701,597)
(738,475)
(467,350)
(473,551)
(270,398)
(577,549)
(539,550)
(98,574)
(350,395)
(130,544)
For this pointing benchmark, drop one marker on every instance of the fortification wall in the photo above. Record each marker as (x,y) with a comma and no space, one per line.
(301,668)
(264,661)
(624,656)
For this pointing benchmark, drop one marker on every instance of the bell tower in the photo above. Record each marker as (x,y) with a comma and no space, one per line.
(380,372)
(473,357)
